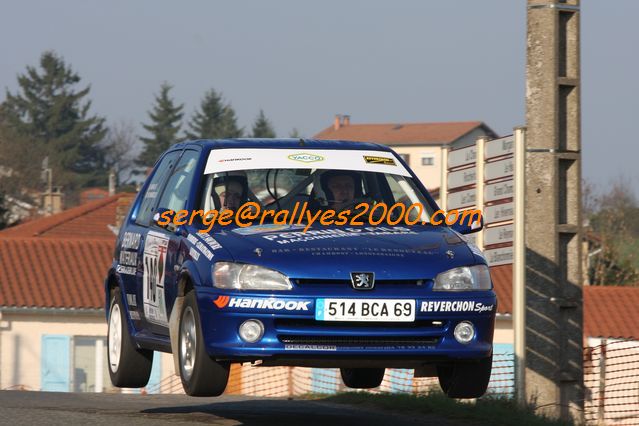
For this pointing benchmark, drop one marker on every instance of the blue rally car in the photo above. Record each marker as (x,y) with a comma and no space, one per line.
(358,298)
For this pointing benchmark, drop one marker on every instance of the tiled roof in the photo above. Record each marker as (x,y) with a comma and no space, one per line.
(611,311)
(88,220)
(502,277)
(59,261)
(53,273)
(404,134)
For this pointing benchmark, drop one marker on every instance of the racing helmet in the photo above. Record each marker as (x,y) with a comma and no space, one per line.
(223,180)
(327,175)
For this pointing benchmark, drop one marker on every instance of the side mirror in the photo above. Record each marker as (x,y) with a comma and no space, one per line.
(468,225)
(164,219)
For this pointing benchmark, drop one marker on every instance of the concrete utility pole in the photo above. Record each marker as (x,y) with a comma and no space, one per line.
(554,338)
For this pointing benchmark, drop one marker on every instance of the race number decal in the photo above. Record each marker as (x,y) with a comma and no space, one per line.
(154,261)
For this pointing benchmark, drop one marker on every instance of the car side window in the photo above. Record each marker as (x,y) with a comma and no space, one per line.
(176,190)
(152,191)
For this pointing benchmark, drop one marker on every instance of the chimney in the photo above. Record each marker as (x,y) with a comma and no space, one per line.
(52,201)
(111,183)
(346,120)
(338,122)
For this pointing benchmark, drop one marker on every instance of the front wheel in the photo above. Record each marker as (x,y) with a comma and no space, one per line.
(362,378)
(465,380)
(129,367)
(201,375)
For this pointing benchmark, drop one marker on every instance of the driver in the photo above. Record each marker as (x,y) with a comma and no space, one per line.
(231,191)
(341,188)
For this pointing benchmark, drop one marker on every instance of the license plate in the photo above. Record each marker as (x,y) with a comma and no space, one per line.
(396,310)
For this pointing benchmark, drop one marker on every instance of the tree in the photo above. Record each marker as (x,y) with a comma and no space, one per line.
(119,145)
(262,128)
(214,120)
(4,212)
(166,121)
(614,217)
(51,110)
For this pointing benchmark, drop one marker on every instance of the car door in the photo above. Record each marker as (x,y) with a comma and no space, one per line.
(162,249)
(136,234)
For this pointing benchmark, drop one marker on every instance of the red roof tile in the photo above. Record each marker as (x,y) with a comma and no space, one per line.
(88,220)
(53,273)
(611,311)
(502,277)
(404,134)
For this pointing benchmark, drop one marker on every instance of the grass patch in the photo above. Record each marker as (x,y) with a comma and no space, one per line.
(488,410)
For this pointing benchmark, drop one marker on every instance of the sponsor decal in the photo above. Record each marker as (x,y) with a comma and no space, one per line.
(297,347)
(305,157)
(135,316)
(455,306)
(154,262)
(262,229)
(212,242)
(194,254)
(128,258)
(370,159)
(321,234)
(130,241)
(230,160)
(262,304)
(127,270)
(200,246)
(131,299)
(221,301)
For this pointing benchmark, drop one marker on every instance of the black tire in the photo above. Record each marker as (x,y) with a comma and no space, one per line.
(362,378)
(202,376)
(465,380)
(129,367)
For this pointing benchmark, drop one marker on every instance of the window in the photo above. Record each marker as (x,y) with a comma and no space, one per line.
(428,160)
(148,201)
(405,157)
(178,186)
(90,366)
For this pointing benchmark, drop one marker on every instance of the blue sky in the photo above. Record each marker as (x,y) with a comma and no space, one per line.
(303,62)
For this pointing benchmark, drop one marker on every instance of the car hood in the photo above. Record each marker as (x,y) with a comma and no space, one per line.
(400,252)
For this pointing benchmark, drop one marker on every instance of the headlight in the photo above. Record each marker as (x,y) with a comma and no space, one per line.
(465,278)
(241,276)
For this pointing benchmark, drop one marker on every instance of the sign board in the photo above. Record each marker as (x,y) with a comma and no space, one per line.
(499,147)
(499,169)
(461,178)
(499,256)
(499,213)
(499,234)
(499,191)
(457,200)
(462,157)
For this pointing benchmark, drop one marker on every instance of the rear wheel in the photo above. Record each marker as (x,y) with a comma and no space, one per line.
(465,380)
(201,375)
(129,367)
(362,378)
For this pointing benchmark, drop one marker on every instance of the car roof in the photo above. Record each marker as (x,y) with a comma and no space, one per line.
(295,143)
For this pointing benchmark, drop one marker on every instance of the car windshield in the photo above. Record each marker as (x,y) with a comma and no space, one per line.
(282,188)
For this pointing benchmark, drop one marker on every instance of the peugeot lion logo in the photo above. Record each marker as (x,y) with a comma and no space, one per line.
(363,280)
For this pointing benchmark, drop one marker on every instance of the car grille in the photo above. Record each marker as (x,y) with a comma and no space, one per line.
(359,340)
(378,283)
(311,324)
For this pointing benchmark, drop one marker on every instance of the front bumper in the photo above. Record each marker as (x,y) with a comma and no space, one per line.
(293,336)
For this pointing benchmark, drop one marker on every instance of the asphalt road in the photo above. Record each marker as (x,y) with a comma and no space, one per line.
(51,408)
